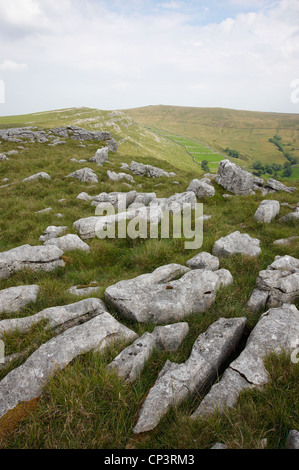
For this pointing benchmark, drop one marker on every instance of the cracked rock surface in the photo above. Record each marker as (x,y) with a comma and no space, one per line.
(237,243)
(277,330)
(267,211)
(176,381)
(159,298)
(13,299)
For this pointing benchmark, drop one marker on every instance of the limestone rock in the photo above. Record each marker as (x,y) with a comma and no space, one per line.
(276,331)
(62,317)
(81,291)
(176,381)
(86,175)
(115,198)
(267,211)
(140,169)
(14,299)
(68,243)
(234,179)
(130,362)
(27,381)
(201,188)
(291,216)
(37,258)
(38,176)
(119,176)
(286,241)
(101,156)
(237,243)
(85,197)
(203,261)
(293,440)
(276,285)
(278,186)
(156,297)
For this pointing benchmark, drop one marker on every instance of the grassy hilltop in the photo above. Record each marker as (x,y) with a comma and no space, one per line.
(245,131)
(86,405)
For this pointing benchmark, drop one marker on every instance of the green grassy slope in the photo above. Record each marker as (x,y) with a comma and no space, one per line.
(134,139)
(245,131)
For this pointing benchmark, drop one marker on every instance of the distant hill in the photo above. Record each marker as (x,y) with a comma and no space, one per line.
(248,132)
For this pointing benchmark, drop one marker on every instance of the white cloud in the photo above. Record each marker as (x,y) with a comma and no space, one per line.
(11,66)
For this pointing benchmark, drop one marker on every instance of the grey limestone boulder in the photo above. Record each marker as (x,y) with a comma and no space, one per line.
(276,285)
(293,440)
(234,179)
(52,232)
(237,243)
(177,381)
(277,330)
(68,242)
(38,176)
(36,258)
(278,186)
(86,175)
(286,241)
(101,156)
(131,361)
(203,260)
(267,211)
(14,299)
(160,297)
(26,382)
(201,188)
(119,176)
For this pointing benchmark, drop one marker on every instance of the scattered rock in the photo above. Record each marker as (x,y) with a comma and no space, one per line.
(101,156)
(117,199)
(38,176)
(140,169)
(278,186)
(68,243)
(85,197)
(276,331)
(27,381)
(130,362)
(176,381)
(86,175)
(37,258)
(277,285)
(267,211)
(52,232)
(14,299)
(119,176)
(156,297)
(45,211)
(219,445)
(293,440)
(234,179)
(286,241)
(291,216)
(204,261)
(83,291)
(201,188)
(237,243)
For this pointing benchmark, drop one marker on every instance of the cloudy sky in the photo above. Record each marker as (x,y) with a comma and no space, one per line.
(116,54)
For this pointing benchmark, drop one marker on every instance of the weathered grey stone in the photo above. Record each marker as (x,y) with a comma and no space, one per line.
(52,232)
(291,216)
(27,381)
(276,285)
(86,175)
(116,198)
(15,299)
(277,330)
(176,381)
(58,317)
(156,297)
(201,188)
(140,169)
(203,260)
(101,156)
(219,445)
(267,211)
(85,197)
(237,243)
(278,186)
(293,440)
(286,241)
(3,157)
(68,242)
(234,179)
(81,291)
(119,176)
(38,176)
(131,361)
(45,211)
(37,258)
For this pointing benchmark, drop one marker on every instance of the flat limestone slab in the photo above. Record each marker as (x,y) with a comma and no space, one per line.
(161,298)
(26,382)
(237,243)
(277,330)
(14,299)
(176,381)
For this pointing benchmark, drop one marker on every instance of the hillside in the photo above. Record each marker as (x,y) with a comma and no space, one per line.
(58,389)
(245,131)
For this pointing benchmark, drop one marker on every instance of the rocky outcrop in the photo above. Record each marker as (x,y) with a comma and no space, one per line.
(69,242)
(237,243)
(14,299)
(26,382)
(267,211)
(157,297)
(36,258)
(275,185)
(119,176)
(276,285)
(139,169)
(277,330)
(86,175)
(131,361)
(177,381)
